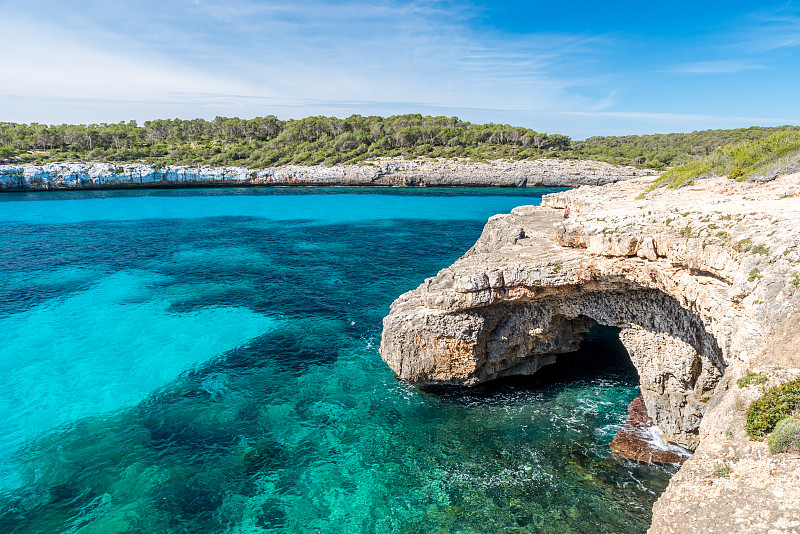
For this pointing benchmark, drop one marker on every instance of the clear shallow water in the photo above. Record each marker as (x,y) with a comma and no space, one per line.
(206,361)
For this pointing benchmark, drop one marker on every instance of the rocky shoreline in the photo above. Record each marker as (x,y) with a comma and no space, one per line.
(703,284)
(379,172)
(635,440)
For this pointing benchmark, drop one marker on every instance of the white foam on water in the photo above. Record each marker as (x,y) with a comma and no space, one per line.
(655,438)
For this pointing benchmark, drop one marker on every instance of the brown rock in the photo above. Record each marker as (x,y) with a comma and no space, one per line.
(632,441)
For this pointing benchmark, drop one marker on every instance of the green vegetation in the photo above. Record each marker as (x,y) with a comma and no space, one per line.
(786,436)
(776,404)
(722,470)
(268,141)
(744,245)
(768,157)
(660,151)
(754,275)
(750,378)
(795,279)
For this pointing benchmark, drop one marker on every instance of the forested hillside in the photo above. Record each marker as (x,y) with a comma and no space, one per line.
(268,141)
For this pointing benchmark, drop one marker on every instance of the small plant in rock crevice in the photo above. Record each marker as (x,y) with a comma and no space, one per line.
(723,470)
(754,275)
(750,378)
(744,245)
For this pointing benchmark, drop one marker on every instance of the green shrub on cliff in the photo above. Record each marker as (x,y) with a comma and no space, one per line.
(776,404)
(776,154)
(786,436)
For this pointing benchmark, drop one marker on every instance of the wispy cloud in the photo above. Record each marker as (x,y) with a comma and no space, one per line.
(424,51)
(676,117)
(95,60)
(52,65)
(774,30)
(723,66)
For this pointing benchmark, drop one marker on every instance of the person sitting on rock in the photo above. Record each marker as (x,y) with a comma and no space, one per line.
(566,212)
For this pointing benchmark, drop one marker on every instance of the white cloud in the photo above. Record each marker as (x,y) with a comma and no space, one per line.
(772,31)
(723,66)
(423,52)
(44,62)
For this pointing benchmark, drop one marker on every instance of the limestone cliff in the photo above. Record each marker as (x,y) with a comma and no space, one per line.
(380,172)
(703,283)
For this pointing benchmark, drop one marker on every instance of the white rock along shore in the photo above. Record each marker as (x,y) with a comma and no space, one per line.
(379,172)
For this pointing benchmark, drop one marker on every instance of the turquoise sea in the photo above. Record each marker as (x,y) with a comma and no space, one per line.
(207,361)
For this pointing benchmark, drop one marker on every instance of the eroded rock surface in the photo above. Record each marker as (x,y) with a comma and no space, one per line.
(704,283)
(379,172)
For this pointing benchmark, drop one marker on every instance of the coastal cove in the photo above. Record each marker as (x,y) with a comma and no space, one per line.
(207,360)
(430,267)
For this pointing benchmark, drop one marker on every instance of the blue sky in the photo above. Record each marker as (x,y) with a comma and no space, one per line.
(579,68)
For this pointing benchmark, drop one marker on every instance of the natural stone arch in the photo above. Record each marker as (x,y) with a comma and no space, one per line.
(678,360)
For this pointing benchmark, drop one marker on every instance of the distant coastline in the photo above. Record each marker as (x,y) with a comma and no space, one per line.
(378,172)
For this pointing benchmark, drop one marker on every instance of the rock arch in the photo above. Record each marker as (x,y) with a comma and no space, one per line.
(678,360)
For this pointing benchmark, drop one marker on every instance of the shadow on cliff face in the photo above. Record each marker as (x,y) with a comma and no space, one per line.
(601,356)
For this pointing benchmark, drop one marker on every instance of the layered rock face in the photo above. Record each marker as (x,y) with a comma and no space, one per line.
(703,283)
(379,172)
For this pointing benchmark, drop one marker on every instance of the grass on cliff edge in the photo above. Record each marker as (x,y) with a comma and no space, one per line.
(765,158)
(775,405)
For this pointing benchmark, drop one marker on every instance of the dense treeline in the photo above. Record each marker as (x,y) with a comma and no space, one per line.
(269,141)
